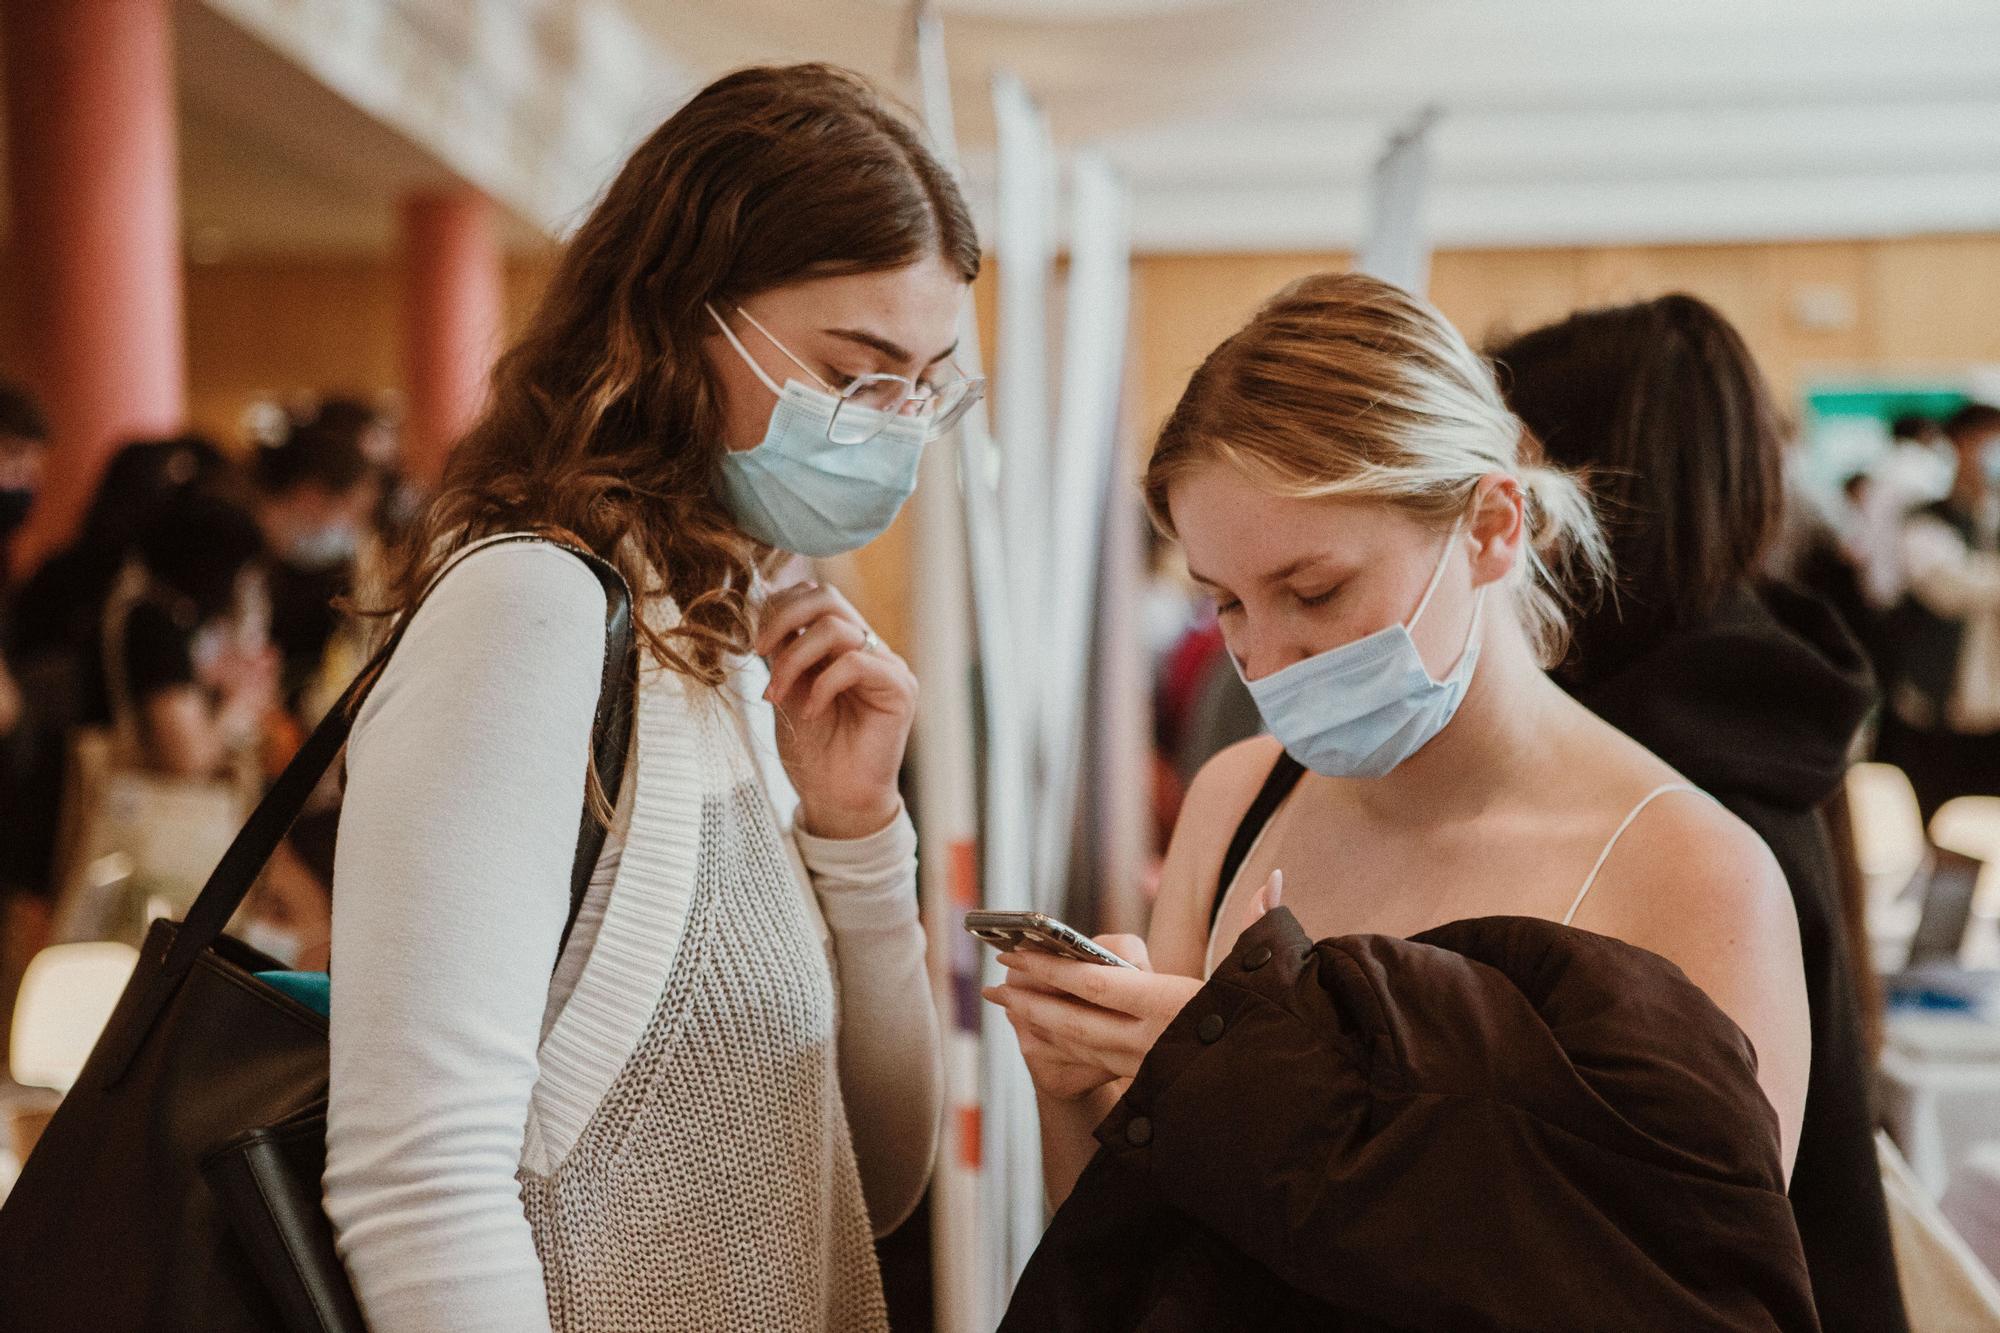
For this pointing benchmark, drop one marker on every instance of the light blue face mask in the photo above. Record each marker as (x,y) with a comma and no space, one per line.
(799,490)
(1359,710)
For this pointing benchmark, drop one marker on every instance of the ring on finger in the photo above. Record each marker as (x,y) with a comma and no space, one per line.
(870,641)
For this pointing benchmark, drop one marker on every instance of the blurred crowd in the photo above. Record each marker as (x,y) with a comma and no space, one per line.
(161,667)
(1913,564)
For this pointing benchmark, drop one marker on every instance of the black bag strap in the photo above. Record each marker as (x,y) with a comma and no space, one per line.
(1284,776)
(239,867)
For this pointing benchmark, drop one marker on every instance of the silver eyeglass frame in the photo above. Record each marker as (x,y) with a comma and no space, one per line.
(970,388)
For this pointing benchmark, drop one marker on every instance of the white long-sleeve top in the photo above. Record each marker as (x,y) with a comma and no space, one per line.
(1960,582)
(466,1078)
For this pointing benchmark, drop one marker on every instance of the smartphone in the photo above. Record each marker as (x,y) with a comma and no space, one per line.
(1045,934)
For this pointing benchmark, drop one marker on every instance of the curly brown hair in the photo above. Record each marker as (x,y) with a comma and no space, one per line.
(603,426)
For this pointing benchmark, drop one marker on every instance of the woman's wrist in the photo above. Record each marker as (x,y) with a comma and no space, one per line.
(849,822)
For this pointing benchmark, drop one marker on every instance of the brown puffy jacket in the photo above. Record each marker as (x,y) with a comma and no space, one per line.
(1502,1123)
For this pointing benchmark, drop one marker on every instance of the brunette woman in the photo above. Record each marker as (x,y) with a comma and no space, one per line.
(731,1084)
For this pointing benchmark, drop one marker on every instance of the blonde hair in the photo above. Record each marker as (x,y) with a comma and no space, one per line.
(1344,385)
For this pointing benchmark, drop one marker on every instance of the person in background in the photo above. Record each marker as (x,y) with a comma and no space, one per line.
(24,435)
(1919,463)
(1852,565)
(24,446)
(374,432)
(186,662)
(1752,690)
(316,498)
(1943,727)
(24,443)
(59,609)
(56,631)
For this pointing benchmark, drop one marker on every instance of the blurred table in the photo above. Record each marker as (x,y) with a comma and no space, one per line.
(1972,1202)
(1940,1089)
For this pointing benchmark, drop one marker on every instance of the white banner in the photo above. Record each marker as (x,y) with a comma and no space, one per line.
(1399,247)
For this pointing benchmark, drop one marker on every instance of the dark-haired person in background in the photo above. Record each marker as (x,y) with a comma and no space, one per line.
(185,658)
(374,432)
(1944,702)
(24,444)
(55,627)
(1751,690)
(61,604)
(24,435)
(316,495)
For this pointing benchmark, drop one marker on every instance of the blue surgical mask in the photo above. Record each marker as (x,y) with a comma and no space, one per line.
(800,491)
(1359,710)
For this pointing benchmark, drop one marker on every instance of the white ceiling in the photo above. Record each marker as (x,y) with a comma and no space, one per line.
(1253,124)
(1239,124)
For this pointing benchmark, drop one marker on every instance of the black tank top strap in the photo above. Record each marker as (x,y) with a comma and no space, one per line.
(1285,775)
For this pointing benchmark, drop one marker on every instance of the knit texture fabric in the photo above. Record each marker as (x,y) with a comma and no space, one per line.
(715,1185)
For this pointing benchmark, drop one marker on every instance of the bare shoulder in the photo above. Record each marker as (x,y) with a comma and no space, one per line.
(1696,885)
(1689,870)
(1222,790)
(1216,802)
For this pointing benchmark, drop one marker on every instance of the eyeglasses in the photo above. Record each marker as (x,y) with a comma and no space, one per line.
(865,406)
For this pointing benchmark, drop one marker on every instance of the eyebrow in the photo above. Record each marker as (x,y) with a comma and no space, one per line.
(1275,576)
(894,351)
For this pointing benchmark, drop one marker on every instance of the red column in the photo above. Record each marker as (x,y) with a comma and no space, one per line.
(453,295)
(92,166)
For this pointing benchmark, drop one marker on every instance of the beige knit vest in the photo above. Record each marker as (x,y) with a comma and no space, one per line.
(714,1186)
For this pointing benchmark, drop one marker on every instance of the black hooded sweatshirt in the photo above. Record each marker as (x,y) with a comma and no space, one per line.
(1758,705)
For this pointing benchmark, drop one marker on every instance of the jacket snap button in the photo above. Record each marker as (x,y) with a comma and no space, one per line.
(1256,958)
(1210,1029)
(1138,1131)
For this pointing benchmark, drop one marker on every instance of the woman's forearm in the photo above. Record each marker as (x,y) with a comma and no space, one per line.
(890,1062)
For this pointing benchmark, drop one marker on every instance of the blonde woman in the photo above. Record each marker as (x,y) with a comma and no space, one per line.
(1490,1096)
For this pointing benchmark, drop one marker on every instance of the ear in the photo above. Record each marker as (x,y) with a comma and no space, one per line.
(1497,527)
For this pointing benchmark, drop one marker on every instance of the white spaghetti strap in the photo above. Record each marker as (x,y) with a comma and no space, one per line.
(1605,855)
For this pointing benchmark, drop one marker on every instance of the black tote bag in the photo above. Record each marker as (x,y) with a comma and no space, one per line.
(113,1223)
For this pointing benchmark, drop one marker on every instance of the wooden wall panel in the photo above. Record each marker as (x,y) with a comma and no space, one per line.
(260,328)
(1935,299)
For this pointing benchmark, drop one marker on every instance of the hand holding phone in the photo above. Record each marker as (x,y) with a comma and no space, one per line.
(1016,930)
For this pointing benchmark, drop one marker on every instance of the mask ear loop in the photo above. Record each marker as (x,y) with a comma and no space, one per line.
(1437,575)
(743,351)
(1478,602)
